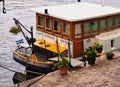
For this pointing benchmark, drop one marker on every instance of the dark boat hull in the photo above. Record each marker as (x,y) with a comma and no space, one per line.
(19,77)
(43,68)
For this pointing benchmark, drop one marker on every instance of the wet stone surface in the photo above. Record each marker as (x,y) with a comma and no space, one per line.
(105,74)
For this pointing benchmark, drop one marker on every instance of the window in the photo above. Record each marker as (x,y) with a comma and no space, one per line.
(112,43)
(87,27)
(40,22)
(102,24)
(77,30)
(66,28)
(48,24)
(90,28)
(94,26)
(117,20)
(111,23)
(57,27)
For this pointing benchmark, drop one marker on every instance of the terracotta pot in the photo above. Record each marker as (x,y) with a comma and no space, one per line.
(63,71)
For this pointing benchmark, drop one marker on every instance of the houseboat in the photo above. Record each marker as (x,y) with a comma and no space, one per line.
(80,24)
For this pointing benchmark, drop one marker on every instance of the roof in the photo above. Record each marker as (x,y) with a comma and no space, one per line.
(78,11)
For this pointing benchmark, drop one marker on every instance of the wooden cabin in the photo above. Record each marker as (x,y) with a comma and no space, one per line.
(80,22)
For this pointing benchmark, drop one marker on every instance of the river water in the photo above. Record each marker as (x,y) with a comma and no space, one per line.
(20,9)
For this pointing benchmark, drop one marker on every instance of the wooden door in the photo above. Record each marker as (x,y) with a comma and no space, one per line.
(77,49)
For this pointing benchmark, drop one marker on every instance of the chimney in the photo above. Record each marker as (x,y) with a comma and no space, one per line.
(78,0)
(46,11)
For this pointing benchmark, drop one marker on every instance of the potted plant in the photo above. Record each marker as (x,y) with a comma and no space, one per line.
(15,30)
(109,55)
(62,65)
(90,55)
(98,47)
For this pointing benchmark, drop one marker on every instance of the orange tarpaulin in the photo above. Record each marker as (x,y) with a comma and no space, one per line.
(49,46)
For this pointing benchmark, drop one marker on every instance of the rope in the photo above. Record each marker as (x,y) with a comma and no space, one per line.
(3,66)
(10,68)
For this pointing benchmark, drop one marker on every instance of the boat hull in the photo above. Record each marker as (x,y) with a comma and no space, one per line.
(43,68)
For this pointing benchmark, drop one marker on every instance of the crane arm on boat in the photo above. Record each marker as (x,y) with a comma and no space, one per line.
(30,40)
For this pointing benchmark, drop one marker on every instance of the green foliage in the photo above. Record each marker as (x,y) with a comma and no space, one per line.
(62,63)
(90,56)
(110,54)
(90,52)
(97,45)
(15,30)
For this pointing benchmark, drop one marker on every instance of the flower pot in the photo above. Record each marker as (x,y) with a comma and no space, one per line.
(63,70)
(91,60)
(109,57)
(99,49)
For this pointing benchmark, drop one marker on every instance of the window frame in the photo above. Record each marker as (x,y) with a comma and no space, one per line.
(50,28)
(55,31)
(63,28)
(117,25)
(110,27)
(40,26)
(104,28)
(91,28)
(77,36)
(91,31)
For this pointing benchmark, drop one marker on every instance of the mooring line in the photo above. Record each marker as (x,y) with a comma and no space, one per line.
(10,68)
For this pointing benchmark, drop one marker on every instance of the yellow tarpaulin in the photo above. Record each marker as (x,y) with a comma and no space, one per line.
(49,46)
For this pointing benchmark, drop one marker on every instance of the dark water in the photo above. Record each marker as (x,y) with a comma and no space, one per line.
(20,9)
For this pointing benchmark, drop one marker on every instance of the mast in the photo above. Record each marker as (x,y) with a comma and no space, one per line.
(69,51)
(103,2)
(57,46)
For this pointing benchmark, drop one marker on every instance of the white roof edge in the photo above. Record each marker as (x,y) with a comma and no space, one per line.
(80,8)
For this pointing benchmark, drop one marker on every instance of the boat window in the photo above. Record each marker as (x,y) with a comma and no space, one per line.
(40,22)
(57,27)
(117,20)
(48,24)
(103,25)
(86,28)
(94,26)
(110,23)
(66,28)
(77,30)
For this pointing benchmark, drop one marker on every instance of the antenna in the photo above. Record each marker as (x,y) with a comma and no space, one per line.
(103,2)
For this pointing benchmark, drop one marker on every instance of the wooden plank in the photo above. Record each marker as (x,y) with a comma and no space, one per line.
(74,62)
(28,83)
